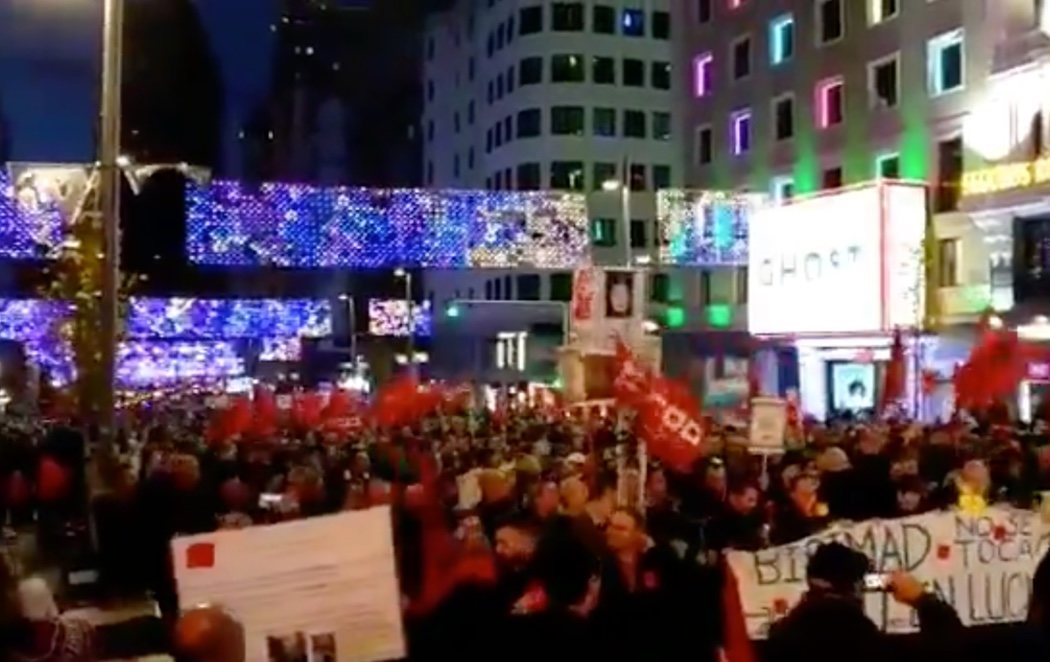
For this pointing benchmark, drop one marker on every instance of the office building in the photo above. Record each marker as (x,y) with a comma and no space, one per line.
(576,96)
(796,99)
(343,106)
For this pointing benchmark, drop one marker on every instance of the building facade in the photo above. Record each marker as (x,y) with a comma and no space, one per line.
(344,98)
(577,96)
(797,99)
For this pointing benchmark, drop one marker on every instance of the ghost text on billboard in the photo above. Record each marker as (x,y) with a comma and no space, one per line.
(809,266)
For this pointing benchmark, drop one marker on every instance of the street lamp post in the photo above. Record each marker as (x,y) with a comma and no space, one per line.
(406,276)
(623,185)
(109,204)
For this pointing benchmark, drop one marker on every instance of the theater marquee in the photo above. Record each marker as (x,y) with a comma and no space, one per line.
(848,261)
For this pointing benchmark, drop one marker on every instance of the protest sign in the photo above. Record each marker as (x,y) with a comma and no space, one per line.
(321,583)
(980,564)
(768,424)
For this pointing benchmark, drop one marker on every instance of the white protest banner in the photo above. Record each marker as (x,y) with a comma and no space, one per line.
(768,424)
(324,584)
(980,564)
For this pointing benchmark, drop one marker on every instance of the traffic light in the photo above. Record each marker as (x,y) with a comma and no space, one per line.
(452,311)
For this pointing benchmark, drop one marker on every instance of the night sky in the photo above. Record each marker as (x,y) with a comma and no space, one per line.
(49,62)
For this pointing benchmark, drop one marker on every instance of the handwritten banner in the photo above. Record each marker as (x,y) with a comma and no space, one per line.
(980,564)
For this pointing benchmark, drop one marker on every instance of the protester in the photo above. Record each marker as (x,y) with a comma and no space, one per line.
(528,522)
(830,624)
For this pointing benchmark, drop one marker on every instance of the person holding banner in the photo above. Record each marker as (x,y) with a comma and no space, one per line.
(829,624)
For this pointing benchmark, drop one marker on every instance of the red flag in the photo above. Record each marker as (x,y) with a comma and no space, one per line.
(342,414)
(997,363)
(340,405)
(404,401)
(306,410)
(668,416)
(893,383)
(633,382)
(670,424)
(264,419)
(736,646)
(238,416)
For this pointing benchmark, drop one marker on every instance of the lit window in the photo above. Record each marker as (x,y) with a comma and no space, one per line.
(883,10)
(740,132)
(831,21)
(944,62)
(782,189)
(884,82)
(888,166)
(633,22)
(702,67)
(830,102)
(782,39)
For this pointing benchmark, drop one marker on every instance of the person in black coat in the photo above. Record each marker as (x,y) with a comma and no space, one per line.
(559,625)
(830,625)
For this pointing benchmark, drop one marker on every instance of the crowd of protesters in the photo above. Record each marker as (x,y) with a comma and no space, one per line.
(531,534)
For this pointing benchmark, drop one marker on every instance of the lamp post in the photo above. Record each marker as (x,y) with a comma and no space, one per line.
(351,316)
(108,201)
(623,185)
(406,276)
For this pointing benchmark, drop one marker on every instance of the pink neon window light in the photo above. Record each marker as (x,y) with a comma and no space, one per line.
(702,66)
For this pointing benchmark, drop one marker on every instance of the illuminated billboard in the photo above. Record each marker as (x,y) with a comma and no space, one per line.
(294,225)
(848,261)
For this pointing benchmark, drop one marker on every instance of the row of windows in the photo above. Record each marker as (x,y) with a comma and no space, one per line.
(883,90)
(572,17)
(529,287)
(885,165)
(572,68)
(945,59)
(569,17)
(830,15)
(572,176)
(571,121)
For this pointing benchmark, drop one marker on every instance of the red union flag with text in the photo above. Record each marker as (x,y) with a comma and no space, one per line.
(669,420)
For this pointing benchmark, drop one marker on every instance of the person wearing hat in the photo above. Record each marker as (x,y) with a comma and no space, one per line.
(829,623)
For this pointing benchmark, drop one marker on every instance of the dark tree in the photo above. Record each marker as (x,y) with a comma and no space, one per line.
(172,85)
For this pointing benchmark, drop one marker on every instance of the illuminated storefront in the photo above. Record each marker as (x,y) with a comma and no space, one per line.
(834,275)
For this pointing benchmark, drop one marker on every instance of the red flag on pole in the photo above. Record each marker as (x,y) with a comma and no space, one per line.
(896,370)
(668,420)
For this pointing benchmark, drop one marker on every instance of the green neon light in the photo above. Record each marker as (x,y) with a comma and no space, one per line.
(675,317)
(719,316)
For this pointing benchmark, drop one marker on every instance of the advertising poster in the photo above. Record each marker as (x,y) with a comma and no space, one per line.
(852,386)
(768,424)
(607,304)
(982,565)
(319,588)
